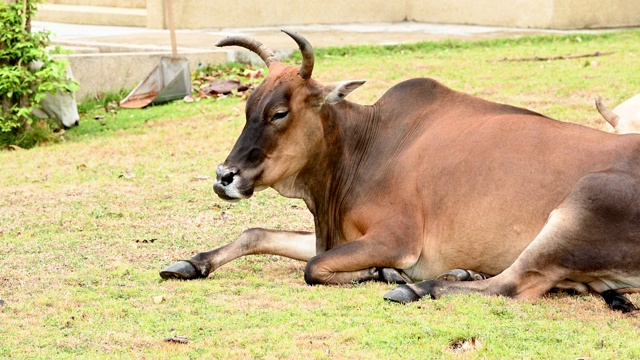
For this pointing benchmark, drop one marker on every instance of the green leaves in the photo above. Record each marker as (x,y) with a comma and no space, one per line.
(22,88)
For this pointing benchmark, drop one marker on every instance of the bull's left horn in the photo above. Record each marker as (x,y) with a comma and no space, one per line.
(607,114)
(308,57)
(254,45)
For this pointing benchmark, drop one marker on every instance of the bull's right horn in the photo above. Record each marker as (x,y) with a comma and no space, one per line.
(257,47)
(607,114)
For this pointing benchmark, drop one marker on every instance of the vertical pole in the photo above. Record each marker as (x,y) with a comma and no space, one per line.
(172,28)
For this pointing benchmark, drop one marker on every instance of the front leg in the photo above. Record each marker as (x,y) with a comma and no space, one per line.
(358,261)
(292,244)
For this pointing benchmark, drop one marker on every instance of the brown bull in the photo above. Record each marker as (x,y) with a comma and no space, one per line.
(429,179)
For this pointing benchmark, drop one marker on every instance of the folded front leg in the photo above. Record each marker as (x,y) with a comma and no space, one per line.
(358,261)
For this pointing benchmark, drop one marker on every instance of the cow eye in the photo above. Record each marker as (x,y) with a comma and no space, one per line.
(279,115)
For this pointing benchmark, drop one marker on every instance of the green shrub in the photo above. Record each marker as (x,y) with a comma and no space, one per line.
(22,89)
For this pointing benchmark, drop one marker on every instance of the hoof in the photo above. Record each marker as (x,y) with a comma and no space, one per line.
(618,302)
(455,275)
(393,276)
(478,276)
(182,270)
(402,294)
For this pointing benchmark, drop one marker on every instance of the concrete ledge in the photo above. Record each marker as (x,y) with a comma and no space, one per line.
(80,46)
(126,70)
(140,4)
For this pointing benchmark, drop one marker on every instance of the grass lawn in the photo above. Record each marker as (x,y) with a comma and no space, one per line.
(82,240)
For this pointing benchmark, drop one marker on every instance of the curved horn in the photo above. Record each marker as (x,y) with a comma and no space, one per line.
(256,46)
(607,114)
(308,57)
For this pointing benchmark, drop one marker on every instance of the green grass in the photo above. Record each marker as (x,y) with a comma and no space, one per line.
(81,247)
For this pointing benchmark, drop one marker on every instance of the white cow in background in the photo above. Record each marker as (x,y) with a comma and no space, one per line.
(625,118)
(61,106)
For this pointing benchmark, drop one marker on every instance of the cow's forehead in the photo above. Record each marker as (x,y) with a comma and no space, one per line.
(277,86)
(279,73)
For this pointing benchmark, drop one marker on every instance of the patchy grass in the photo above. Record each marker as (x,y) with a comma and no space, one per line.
(81,245)
(563,89)
(34,134)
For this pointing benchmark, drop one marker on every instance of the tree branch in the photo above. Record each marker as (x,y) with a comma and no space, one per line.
(563,57)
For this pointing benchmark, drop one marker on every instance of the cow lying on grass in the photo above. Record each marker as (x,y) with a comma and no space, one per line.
(429,179)
(625,118)
(60,106)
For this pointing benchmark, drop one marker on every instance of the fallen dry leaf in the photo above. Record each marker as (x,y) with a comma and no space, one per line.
(178,339)
(189,99)
(81,167)
(245,95)
(127,174)
(253,74)
(200,178)
(461,345)
(222,87)
(112,106)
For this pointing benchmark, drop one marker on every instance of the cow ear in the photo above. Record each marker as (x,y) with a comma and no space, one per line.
(336,92)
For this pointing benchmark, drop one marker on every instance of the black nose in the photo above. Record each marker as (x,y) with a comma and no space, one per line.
(72,125)
(227,179)
(225,175)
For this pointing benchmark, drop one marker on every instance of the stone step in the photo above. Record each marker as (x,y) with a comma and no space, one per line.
(92,15)
(135,4)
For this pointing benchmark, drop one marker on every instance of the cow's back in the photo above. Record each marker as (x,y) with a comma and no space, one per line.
(476,172)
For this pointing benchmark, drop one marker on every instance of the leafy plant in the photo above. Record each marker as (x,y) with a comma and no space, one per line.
(23,83)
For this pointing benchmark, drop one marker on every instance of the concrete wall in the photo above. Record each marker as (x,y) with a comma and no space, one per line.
(215,14)
(550,14)
(249,13)
(140,4)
